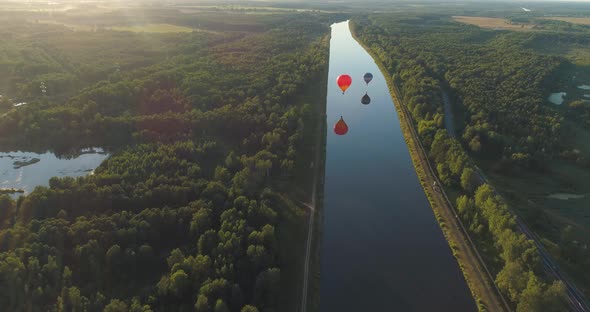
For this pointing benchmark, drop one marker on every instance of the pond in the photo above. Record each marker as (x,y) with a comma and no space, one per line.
(557,98)
(26,170)
(382,249)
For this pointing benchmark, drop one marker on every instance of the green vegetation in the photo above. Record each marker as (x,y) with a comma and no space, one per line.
(66,61)
(519,278)
(210,117)
(154,28)
(480,285)
(19,164)
(5,104)
(10,191)
(195,209)
(498,88)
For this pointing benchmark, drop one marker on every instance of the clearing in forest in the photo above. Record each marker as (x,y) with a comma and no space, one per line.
(492,23)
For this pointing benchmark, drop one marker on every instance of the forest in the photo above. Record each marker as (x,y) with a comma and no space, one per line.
(496,82)
(206,130)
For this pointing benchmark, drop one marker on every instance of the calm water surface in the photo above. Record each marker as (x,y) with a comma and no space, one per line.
(382,249)
(49,165)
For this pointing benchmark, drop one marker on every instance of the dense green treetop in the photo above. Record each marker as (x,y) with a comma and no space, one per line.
(184,215)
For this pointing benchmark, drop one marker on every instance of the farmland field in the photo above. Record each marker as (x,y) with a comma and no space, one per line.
(492,23)
(148,28)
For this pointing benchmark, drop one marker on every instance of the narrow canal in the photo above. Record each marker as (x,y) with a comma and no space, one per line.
(382,249)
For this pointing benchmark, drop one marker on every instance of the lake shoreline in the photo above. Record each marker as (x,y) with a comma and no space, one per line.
(23,163)
(474,275)
(22,171)
(9,191)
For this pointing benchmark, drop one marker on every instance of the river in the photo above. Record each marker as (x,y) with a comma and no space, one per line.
(382,249)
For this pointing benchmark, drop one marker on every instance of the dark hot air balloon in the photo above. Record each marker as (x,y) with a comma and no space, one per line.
(366,99)
(368,77)
(344,81)
(340,128)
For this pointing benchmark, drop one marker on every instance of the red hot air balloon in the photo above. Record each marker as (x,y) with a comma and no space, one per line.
(344,81)
(340,128)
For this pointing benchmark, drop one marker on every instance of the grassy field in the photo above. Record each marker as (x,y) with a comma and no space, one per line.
(535,188)
(528,193)
(148,28)
(38,7)
(245,9)
(580,56)
(74,27)
(492,23)
(573,20)
(576,53)
(153,28)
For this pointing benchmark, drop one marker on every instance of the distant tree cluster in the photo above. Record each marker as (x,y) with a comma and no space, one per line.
(520,276)
(225,255)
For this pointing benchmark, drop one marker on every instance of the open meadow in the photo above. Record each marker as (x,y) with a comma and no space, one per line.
(493,23)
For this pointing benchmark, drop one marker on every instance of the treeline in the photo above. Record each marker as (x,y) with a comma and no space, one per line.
(194,95)
(216,252)
(548,24)
(495,126)
(521,276)
(82,242)
(498,84)
(66,60)
(184,216)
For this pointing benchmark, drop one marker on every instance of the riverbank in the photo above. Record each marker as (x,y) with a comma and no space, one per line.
(480,281)
(312,290)
(382,249)
(300,227)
